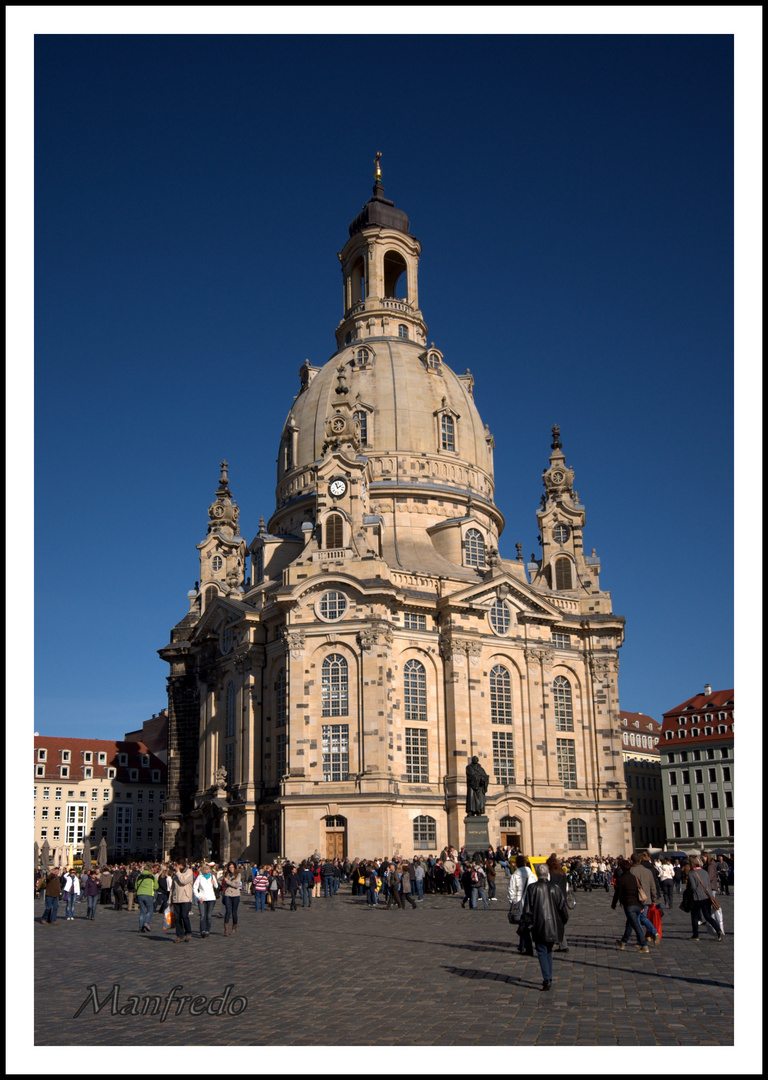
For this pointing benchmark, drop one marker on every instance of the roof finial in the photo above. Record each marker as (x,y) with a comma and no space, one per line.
(556,444)
(224,466)
(377,162)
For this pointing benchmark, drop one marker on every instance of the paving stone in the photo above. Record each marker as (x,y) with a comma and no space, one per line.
(340,974)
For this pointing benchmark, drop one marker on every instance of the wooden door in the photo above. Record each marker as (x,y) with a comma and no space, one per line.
(511,840)
(334,844)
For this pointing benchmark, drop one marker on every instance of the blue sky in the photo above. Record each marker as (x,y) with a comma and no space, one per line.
(574,199)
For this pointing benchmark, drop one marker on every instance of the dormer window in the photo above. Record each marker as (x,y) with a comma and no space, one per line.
(65,755)
(64,771)
(681,734)
(474,549)
(722,729)
(102,758)
(637,723)
(447,432)
(669,734)
(39,770)
(156,779)
(122,759)
(42,755)
(145,761)
(709,731)
(694,732)
(133,774)
(88,772)
(111,775)
(87,756)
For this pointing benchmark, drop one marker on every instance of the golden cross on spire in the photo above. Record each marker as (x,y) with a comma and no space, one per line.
(377,163)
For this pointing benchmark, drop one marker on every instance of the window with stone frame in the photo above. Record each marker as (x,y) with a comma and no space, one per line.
(281,698)
(229,761)
(424,833)
(416,755)
(501,695)
(474,549)
(335,686)
(335,751)
(499,617)
(230,711)
(282,756)
(577,834)
(503,757)
(334,531)
(563,573)
(566,762)
(361,419)
(561,641)
(563,704)
(414,691)
(412,621)
(447,432)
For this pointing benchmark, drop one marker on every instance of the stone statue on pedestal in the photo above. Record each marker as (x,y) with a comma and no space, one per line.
(477,786)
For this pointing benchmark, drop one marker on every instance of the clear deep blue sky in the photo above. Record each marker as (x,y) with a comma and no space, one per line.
(574,200)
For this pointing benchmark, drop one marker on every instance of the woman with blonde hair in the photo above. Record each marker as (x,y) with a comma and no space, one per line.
(232,886)
(204,891)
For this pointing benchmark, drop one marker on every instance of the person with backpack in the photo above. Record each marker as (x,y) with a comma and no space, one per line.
(477,881)
(145,886)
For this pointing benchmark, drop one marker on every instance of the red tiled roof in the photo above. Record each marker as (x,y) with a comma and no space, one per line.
(647,723)
(700,705)
(54,745)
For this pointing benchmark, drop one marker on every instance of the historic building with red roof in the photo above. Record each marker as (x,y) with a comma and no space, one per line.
(642,774)
(696,748)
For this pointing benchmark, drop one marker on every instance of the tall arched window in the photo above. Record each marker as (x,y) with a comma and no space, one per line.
(561,693)
(501,696)
(424,833)
(334,531)
(230,714)
(335,686)
(361,418)
(577,834)
(474,548)
(402,331)
(415,690)
(447,432)
(210,594)
(280,698)
(563,576)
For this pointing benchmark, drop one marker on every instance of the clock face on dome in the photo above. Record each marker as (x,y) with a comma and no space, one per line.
(338,487)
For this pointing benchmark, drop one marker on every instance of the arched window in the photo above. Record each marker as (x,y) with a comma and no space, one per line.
(415,690)
(474,548)
(210,594)
(644,740)
(509,823)
(501,695)
(561,692)
(626,739)
(335,686)
(424,833)
(334,531)
(577,834)
(230,715)
(402,331)
(281,697)
(362,356)
(632,739)
(563,577)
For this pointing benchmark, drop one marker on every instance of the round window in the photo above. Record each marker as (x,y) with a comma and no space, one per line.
(216,563)
(225,639)
(332,605)
(561,533)
(500,617)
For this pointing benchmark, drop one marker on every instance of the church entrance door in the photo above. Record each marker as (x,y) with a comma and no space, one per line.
(334,844)
(511,839)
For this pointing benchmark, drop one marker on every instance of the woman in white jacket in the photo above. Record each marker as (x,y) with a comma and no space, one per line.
(206,897)
(518,883)
(71,889)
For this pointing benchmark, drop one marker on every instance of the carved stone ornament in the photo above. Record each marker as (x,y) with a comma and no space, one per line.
(603,667)
(474,651)
(368,639)
(295,641)
(531,657)
(547,657)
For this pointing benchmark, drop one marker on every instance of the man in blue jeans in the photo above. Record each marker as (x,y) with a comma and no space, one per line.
(646,879)
(52,894)
(326,876)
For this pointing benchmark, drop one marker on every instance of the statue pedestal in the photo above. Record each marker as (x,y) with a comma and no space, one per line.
(476,838)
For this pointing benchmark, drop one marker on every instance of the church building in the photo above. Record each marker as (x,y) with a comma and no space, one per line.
(332,679)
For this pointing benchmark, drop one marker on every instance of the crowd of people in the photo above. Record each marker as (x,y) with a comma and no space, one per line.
(537,897)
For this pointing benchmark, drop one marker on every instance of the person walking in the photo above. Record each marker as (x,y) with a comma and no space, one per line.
(701,899)
(519,882)
(260,886)
(626,893)
(130,887)
(203,889)
(642,871)
(164,883)
(667,879)
(145,885)
(306,882)
(52,895)
(71,891)
(119,879)
(232,884)
(181,900)
(292,884)
(392,880)
(544,917)
(105,884)
(418,880)
(557,876)
(91,891)
(477,881)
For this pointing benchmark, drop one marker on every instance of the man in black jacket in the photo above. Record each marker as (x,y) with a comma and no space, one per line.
(544,915)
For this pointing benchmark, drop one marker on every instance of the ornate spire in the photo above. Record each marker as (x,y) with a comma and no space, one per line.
(377,162)
(223,511)
(558,478)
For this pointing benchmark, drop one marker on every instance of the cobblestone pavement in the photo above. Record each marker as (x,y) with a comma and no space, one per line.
(340,973)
